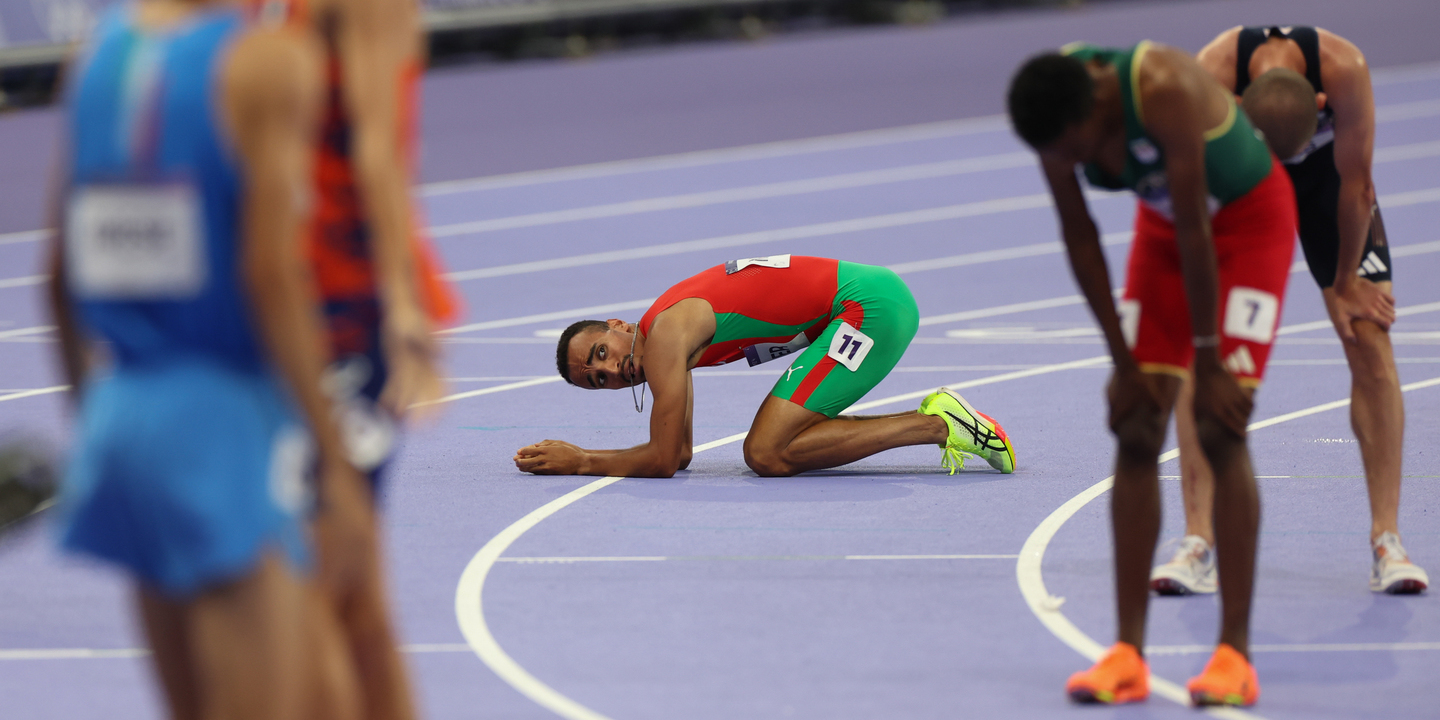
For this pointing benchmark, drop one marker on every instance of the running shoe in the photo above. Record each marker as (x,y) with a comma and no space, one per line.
(1228,679)
(1120,676)
(1392,572)
(1192,570)
(971,433)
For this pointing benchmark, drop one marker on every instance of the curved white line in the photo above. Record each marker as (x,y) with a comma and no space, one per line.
(1028,570)
(469,594)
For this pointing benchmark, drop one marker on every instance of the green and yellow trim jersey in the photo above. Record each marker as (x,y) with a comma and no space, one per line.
(1236,156)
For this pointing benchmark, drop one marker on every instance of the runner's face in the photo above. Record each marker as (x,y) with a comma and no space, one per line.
(601,359)
(1080,143)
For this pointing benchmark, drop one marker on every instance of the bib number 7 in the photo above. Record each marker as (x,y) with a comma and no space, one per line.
(849,346)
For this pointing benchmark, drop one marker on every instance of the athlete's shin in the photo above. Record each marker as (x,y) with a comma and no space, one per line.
(1377,415)
(1135,501)
(1237,522)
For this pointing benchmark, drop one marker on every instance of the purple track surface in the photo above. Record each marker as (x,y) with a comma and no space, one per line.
(718,594)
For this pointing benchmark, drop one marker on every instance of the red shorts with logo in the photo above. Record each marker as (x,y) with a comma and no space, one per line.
(1254,242)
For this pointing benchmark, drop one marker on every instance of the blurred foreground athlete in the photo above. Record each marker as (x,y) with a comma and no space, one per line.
(850,324)
(378,276)
(186,187)
(1214,233)
(1349,256)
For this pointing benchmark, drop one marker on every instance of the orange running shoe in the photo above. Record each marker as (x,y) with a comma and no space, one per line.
(1120,676)
(1228,679)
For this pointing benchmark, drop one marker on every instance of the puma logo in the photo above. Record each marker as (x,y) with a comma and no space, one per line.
(791,371)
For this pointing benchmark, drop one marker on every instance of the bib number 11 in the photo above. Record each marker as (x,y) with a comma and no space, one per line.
(849,346)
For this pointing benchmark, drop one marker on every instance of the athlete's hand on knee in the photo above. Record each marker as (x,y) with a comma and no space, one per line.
(1218,395)
(1361,299)
(344,527)
(1130,392)
(550,457)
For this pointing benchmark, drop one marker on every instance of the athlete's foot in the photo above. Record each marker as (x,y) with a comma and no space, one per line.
(971,432)
(1192,570)
(1120,676)
(1392,572)
(1228,679)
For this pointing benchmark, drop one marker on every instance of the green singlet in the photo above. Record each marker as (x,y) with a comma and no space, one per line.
(1236,156)
(849,323)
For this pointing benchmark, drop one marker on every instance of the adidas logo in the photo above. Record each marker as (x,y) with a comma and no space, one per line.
(1240,362)
(1372,265)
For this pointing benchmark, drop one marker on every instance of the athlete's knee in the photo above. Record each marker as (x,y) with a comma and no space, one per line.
(1140,433)
(1371,360)
(767,460)
(1217,439)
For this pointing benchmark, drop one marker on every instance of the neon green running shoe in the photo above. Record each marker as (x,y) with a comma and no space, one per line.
(971,433)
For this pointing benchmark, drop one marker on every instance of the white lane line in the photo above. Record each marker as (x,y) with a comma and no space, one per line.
(975,258)
(23,332)
(547,317)
(761,151)
(469,592)
(786,148)
(564,560)
(1297,647)
(544,380)
(826,183)
(1046,607)
(32,393)
(873,222)
(24,236)
(1320,324)
(799,232)
(866,178)
(128,653)
(26,281)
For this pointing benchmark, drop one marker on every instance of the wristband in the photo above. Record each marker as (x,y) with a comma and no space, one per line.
(1205,341)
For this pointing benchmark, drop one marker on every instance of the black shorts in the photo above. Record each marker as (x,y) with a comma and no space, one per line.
(1317,195)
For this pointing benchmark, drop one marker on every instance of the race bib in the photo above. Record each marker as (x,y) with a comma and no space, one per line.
(1250,314)
(765,352)
(773,261)
(849,346)
(137,242)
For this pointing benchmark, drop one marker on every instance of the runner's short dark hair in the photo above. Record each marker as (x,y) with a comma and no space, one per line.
(1049,93)
(1281,104)
(562,353)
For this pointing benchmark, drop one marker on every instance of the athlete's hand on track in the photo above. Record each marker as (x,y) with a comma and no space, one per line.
(1218,395)
(344,527)
(410,353)
(550,457)
(1361,299)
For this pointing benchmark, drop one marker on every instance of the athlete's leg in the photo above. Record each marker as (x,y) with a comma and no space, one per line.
(336,692)
(786,439)
(248,644)
(1377,415)
(1237,526)
(382,674)
(1197,482)
(165,630)
(1135,504)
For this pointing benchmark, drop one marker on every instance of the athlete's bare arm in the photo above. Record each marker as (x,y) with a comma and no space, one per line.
(1218,58)
(1346,78)
(272,98)
(1181,101)
(677,338)
(378,42)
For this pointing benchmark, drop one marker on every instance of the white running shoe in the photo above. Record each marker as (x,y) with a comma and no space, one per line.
(1192,570)
(1392,572)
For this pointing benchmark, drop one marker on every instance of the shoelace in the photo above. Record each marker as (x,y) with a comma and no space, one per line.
(953,460)
(1394,551)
